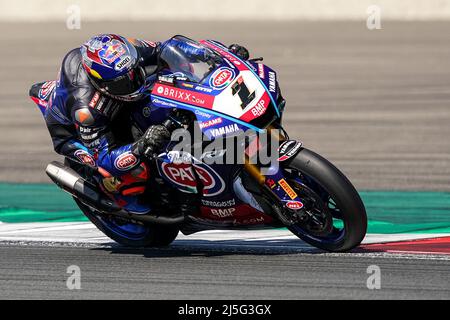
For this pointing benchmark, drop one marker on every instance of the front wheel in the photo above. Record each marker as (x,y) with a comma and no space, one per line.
(335,218)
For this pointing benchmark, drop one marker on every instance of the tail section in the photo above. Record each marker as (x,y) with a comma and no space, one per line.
(41,94)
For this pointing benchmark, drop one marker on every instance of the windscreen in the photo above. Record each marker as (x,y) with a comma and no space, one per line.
(186,57)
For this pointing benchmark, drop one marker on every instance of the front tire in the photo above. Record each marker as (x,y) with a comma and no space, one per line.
(327,182)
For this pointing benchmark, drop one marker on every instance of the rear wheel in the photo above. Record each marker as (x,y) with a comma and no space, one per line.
(130,234)
(335,218)
(120,230)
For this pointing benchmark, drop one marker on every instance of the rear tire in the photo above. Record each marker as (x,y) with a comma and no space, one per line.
(343,193)
(151,235)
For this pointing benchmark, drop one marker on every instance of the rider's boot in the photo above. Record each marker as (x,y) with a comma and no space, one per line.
(189,203)
(168,201)
(128,189)
(161,198)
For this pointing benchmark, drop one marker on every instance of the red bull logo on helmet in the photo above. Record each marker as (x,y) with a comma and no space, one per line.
(112,50)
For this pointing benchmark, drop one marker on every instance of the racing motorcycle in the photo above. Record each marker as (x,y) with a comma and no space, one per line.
(219,94)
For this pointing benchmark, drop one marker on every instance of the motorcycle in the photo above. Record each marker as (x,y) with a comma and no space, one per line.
(219,94)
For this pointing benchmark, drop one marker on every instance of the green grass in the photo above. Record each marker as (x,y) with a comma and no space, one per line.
(388,211)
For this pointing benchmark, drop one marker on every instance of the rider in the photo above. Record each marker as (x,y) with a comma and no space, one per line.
(89,116)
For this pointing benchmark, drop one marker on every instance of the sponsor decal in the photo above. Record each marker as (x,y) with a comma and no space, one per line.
(202,114)
(261,70)
(179,157)
(166,79)
(209,123)
(182,175)
(271,183)
(204,89)
(258,109)
(89,136)
(181,78)
(232,128)
(285,145)
(111,51)
(101,106)
(287,188)
(85,157)
(85,129)
(94,99)
(195,98)
(221,78)
(294,205)
(223,213)
(164,103)
(272,82)
(125,161)
(247,221)
(187,85)
(238,215)
(288,149)
(283,158)
(94,144)
(124,62)
(219,204)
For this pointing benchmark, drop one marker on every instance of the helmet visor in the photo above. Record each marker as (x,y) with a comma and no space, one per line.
(126,84)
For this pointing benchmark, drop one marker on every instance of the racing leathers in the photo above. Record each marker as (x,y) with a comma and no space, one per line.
(95,129)
(92,128)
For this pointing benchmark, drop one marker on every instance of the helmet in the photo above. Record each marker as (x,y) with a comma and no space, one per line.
(113,66)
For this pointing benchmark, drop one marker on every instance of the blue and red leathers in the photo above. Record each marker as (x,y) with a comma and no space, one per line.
(95,129)
(90,127)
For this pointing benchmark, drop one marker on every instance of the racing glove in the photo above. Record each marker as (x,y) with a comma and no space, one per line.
(152,142)
(240,51)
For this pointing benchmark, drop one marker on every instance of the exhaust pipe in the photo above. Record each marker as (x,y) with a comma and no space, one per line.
(70,181)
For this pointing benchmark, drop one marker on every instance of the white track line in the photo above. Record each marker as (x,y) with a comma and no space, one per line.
(86,232)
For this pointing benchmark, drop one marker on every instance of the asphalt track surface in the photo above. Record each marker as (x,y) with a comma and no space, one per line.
(38,272)
(376,103)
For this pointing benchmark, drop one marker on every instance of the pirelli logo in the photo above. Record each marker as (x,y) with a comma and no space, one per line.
(287,188)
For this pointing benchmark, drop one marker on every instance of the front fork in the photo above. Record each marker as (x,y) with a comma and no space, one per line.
(274,182)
